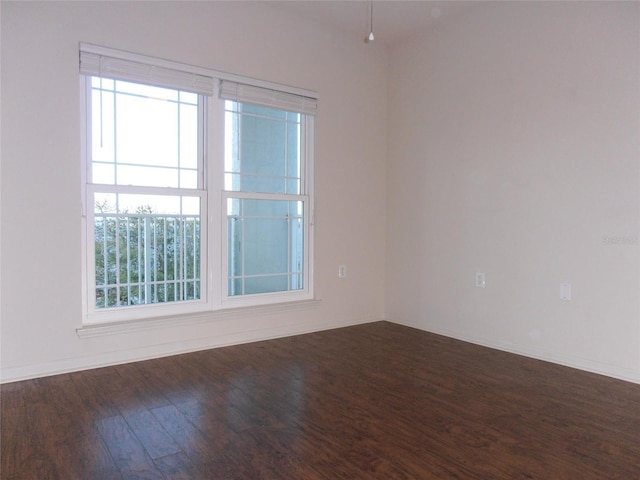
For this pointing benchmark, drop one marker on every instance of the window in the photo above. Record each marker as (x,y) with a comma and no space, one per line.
(146,178)
(264,202)
(193,201)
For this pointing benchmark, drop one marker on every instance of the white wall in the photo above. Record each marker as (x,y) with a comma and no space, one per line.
(41,260)
(514,150)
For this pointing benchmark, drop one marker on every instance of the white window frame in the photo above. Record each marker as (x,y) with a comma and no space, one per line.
(306,196)
(213,206)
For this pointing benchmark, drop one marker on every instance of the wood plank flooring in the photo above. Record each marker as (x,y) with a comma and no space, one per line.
(376,401)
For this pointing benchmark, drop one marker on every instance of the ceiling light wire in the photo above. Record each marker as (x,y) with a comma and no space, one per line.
(370,37)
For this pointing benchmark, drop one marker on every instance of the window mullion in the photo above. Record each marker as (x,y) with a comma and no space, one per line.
(165,258)
(179,142)
(105,252)
(141,231)
(289,245)
(128,247)
(117,260)
(147,261)
(115,135)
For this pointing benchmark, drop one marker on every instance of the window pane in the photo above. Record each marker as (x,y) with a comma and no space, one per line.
(147,249)
(293,158)
(188,178)
(235,287)
(187,97)
(261,111)
(266,284)
(235,265)
(293,187)
(254,183)
(104,173)
(232,182)
(148,134)
(147,176)
(262,149)
(266,208)
(146,131)
(265,245)
(188,136)
(191,205)
(102,122)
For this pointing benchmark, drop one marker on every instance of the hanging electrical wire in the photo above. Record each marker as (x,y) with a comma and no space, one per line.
(370,37)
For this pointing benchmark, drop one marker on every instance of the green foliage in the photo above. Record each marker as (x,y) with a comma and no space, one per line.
(144,257)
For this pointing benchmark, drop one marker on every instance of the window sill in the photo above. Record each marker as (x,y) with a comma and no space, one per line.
(114,328)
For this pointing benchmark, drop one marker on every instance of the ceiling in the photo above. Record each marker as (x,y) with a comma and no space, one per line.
(393,20)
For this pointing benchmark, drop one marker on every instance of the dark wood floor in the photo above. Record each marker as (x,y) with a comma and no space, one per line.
(372,401)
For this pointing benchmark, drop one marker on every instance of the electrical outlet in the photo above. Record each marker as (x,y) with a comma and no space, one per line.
(342,271)
(480,280)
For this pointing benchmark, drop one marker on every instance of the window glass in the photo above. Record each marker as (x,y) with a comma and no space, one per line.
(262,149)
(144,135)
(265,236)
(147,247)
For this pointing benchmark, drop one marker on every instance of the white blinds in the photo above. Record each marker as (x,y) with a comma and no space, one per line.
(118,65)
(158,73)
(267,97)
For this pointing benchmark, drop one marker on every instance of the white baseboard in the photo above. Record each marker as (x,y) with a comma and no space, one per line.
(14,374)
(586,365)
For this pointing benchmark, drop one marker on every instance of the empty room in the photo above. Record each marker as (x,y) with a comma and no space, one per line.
(320,240)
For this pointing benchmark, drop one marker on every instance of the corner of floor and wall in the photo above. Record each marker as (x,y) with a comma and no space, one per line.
(514,182)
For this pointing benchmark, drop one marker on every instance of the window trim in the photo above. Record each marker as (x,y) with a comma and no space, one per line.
(214,296)
(93,315)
